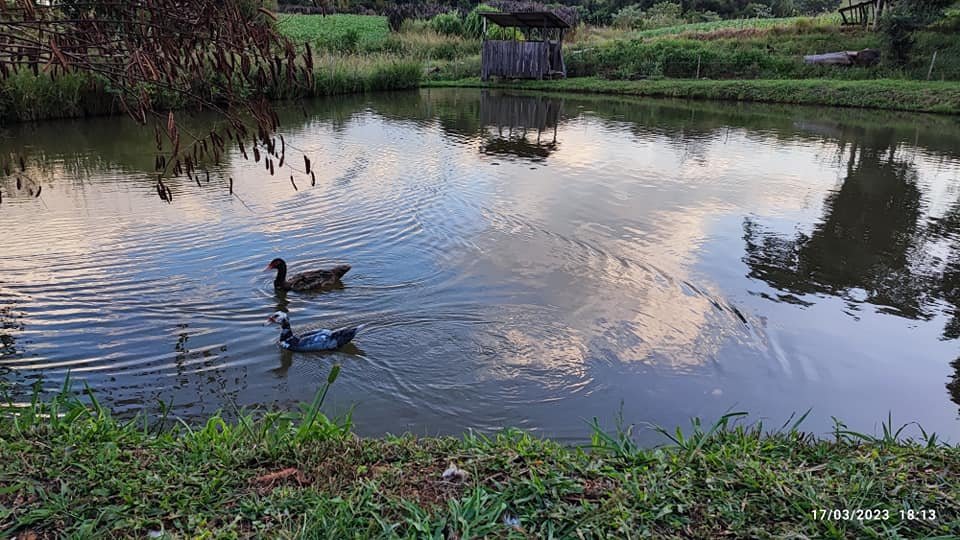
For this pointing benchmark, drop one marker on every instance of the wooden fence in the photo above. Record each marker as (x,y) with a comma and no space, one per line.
(518,59)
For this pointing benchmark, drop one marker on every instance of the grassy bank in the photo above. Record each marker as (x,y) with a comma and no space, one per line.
(69,469)
(920,96)
(747,60)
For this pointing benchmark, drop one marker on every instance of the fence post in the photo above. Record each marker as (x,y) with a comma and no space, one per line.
(932,60)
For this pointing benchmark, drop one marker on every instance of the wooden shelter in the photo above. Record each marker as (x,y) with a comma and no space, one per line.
(866,12)
(538,56)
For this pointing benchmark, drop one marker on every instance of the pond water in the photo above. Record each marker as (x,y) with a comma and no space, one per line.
(521,260)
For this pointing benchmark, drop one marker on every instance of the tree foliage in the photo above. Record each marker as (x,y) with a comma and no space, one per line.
(903,19)
(223,55)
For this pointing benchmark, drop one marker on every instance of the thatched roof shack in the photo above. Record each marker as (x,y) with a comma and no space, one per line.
(540,56)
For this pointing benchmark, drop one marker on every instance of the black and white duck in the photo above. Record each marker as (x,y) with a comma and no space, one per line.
(314,340)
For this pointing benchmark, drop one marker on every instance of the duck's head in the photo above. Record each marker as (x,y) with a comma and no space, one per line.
(275,264)
(278,317)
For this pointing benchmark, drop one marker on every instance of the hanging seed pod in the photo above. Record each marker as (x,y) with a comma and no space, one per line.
(334,373)
(281,161)
(231,185)
(39,189)
(313,179)
(306,163)
(256,155)
(23,164)
(208,176)
(294,184)
(271,168)
(19,184)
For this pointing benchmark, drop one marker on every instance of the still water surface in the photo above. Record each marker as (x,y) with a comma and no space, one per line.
(521,260)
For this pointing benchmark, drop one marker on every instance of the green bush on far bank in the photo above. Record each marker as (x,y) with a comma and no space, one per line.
(25,97)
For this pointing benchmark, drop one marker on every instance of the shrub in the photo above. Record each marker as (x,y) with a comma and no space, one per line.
(758,10)
(629,18)
(447,23)
(664,14)
(703,16)
(816,7)
(902,20)
(473,24)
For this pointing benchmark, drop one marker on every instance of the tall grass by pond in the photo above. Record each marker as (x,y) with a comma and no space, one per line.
(72,469)
(25,97)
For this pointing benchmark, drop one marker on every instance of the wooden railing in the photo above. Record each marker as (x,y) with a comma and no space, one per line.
(862,13)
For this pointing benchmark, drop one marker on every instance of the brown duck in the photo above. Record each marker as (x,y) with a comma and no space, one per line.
(305,281)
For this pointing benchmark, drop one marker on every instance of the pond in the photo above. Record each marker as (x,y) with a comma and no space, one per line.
(520,260)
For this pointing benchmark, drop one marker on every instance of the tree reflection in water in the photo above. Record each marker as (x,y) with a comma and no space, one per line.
(953,385)
(870,247)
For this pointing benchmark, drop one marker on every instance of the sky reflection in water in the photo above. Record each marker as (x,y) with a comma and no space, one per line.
(522,260)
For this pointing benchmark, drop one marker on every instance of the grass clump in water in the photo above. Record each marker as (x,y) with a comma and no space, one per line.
(70,468)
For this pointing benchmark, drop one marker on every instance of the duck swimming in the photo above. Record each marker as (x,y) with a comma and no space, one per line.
(305,281)
(315,340)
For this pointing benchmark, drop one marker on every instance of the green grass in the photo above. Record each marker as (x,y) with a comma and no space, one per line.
(70,469)
(336,32)
(738,24)
(920,96)
(24,97)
